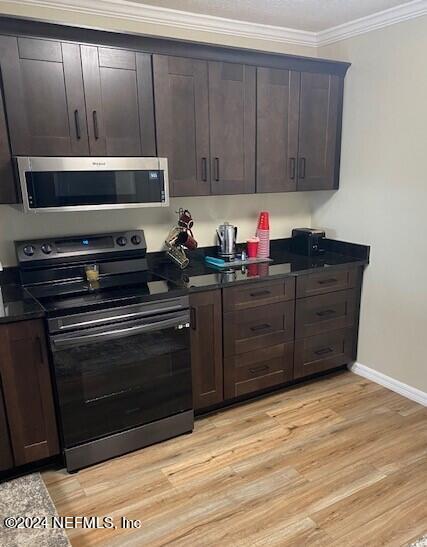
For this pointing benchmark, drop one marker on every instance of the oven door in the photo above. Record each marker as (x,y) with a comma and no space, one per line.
(82,184)
(110,379)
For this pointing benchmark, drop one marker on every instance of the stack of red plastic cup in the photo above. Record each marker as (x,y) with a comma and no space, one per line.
(263,232)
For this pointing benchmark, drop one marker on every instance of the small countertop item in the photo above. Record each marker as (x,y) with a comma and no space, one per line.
(16,304)
(222,264)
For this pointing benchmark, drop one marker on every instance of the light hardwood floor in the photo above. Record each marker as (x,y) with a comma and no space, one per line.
(339,461)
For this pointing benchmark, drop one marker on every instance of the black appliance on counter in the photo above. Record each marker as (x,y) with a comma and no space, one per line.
(120,344)
(307,241)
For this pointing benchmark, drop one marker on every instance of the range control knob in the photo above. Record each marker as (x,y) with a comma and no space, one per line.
(28,250)
(46,248)
(136,239)
(122,241)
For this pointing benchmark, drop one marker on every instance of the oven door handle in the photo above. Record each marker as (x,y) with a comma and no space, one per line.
(180,322)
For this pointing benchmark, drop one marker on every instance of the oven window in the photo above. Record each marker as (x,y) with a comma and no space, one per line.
(114,385)
(68,188)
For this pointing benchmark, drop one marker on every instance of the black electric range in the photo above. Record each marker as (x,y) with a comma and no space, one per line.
(119,341)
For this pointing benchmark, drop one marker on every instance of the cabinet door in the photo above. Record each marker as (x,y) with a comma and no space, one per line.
(206,348)
(182,122)
(277,129)
(44,97)
(324,352)
(6,458)
(319,131)
(119,102)
(27,391)
(232,118)
(8,193)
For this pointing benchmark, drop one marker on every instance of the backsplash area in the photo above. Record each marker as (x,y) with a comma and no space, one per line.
(286,212)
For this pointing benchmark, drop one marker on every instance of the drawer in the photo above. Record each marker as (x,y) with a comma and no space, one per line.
(250,372)
(257,328)
(258,294)
(326,281)
(324,352)
(326,312)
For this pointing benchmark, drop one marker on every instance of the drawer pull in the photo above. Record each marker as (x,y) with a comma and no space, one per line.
(325,313)
(259,369)
(328,281)
(264,326)
(260,293)
(193,318)
(324,351)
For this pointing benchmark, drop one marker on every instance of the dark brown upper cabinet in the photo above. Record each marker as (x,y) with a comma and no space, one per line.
(298,130)
(319,131)
(63,99)
(44,97)
(8,193)
(277,129)
(232,92)
(119,102)
(182,122)
(27,391)
(205,119)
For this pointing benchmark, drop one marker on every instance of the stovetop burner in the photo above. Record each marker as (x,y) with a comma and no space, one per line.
(78,295)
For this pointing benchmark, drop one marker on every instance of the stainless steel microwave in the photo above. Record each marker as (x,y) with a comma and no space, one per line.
(91,184)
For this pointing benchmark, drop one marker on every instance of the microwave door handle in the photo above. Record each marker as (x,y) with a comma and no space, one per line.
(182,321)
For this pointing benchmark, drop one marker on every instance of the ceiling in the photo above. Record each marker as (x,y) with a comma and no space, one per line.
(306,15)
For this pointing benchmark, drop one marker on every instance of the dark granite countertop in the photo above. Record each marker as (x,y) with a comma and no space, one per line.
(16,304)
(200,276)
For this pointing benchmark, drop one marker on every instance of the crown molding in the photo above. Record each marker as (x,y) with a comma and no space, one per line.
(378,20)
(143,13)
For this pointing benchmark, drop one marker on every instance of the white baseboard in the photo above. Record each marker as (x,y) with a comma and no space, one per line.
(390,383)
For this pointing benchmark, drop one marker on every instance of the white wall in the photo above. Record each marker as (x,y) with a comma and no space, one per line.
(287,211)
(382,200)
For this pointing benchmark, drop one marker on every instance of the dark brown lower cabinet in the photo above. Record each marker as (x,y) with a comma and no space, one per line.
(261,327)
(324,352)
(206,348)
(6,458)
(325,312)
(27,390)
(260,369)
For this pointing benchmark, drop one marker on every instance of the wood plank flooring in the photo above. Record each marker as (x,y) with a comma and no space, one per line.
(339,461)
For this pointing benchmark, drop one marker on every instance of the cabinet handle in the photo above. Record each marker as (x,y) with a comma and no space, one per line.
(292,168)
(260,293)
(324,313)
(77,124)
(39,347)
(327,281)
(264,326)
(301,168)
(95,124)
(259,369)
(324,351)
(216,161)
(193,318)
(204,170)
